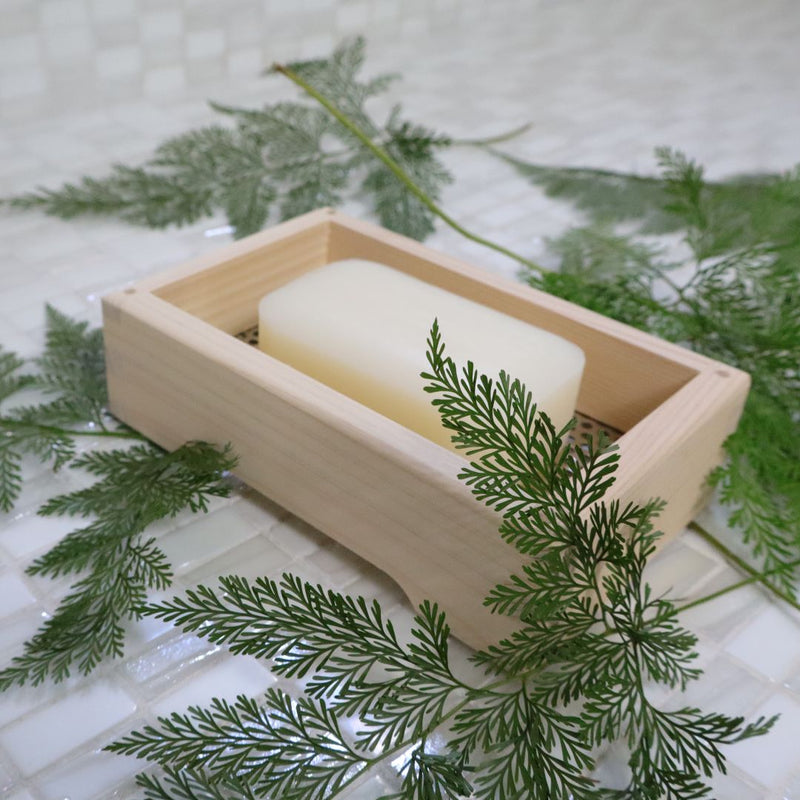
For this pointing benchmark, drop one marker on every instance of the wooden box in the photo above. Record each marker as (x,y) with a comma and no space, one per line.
(177,371)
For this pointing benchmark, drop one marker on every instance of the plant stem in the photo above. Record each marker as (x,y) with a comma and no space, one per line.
(757,577)
(584,172)
(110,434)
(57,431)
(490,140)
(370,763)
(754,575)
(381,154)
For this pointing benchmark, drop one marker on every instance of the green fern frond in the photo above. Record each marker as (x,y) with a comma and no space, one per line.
(266,746)
(739,305)
(117,563)
(286,158)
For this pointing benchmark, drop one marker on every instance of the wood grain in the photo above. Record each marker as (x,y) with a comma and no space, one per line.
(176,372)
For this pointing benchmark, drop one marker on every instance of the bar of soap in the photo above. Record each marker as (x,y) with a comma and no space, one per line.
(361,328)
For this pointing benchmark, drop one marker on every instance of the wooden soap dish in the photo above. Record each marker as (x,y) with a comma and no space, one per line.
(177,371)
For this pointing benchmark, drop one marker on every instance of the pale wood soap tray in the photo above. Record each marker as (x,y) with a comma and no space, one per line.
(177,371)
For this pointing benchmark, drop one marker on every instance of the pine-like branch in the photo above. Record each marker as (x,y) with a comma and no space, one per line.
(739,306)
(189,784)
(606,630)
(280,748)
(72,372)
(431,775)
(117,561)
(336,642)
(277,159)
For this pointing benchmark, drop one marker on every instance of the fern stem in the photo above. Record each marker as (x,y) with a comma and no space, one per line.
(110,434)
(754,575)
(757,577)
(57,431)
(583,172)
(401,175)
(497,139)
(370,763)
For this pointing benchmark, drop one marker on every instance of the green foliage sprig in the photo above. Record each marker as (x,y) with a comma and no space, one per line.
(592,639)
(739,304)
(114,561)
(72,373)
(288,156)
(187,784)
(745,204)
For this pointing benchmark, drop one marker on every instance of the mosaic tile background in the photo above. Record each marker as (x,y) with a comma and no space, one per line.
(87,83)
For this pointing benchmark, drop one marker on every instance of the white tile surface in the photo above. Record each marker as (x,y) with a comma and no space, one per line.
(32,534)
(770,643)
(728,612)
(23,83)
(793,789)
(205,537)
(94,775)
(44,736)
(20,51)
(117,62)
(164,81)
(55,13)
(676,570)
(14,705)
(170,654)
(14,594)
(726,687)
(161,24)
(738,787)
(113,9)
(139,634)
(225,680)
(772,759)
(204,44)
(68,45)
(253,559)
(13,633)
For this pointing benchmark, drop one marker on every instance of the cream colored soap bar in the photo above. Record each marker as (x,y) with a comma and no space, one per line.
(361,328)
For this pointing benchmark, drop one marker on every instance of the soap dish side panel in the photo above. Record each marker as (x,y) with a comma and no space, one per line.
(222,287)
(379,490)
(670,453)
(176,372)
